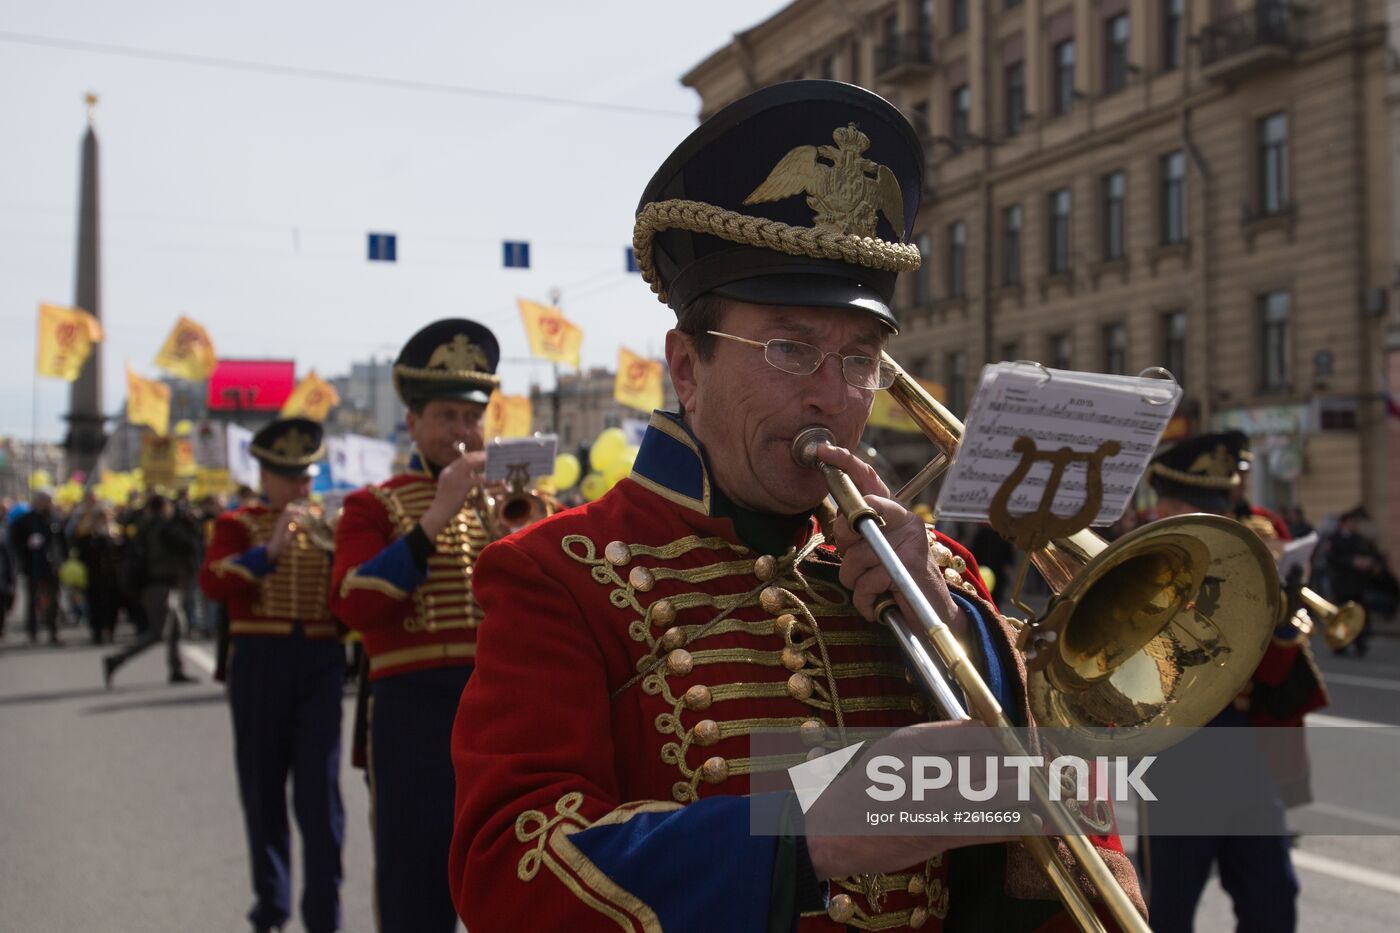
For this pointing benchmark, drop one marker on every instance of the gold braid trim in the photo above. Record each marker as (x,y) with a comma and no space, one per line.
(699,217)
(447,375)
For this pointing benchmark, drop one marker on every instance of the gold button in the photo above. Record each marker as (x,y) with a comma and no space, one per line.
(952,577)
(617,553)
(792,659)
(970,587)
(679,662)
(799,686)
(814,753)
(673,638)
(813,732)
(698,697)
(706,732)
(772,599)
(784,624)
(918,917)
(663,612)
(959,564)
(841,909)
(916,885)
(642,579)
(942,556)
(765,568)
(714,770)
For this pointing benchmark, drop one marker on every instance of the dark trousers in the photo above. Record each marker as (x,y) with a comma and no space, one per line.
(41,603)
(413,790)
(161,622)
(1256,871)
(285,696)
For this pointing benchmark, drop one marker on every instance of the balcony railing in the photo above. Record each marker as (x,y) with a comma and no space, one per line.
(1271,30)
(897,56)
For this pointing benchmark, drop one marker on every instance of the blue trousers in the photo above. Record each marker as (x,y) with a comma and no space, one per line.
(414,791)
(1256,871)
(285,694)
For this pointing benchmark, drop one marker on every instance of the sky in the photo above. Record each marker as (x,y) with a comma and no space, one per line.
(243,198)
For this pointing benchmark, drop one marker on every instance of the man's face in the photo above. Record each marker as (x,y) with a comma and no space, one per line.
(282,490)
(442,425)
(746,413)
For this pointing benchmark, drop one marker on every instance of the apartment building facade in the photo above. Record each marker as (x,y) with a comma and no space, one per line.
(1112,185)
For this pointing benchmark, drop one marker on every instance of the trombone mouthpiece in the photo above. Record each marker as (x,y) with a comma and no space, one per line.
(805,444)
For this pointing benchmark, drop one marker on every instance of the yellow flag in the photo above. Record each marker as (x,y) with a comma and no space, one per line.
(507,416)
(551,335)
(66,336)
(188,352)
(886,413)
(147,402)
(638,381)
(313,398)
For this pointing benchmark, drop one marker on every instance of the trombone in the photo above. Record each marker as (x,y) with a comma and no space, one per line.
(1161,628)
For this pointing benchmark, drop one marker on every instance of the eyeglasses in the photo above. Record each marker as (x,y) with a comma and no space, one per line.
(803,359)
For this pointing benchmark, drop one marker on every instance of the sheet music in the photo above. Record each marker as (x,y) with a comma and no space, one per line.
(1057,408)
(1297,553)
(536,453)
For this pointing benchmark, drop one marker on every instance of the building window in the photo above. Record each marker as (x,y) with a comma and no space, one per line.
(1115,191)
(956,383)
(961,113)
(1174,344)
(959,16)
(957,259)
(924,26)
(1058,233)
(1115,53)
(1010,351)
(921,277)
(1011,218)
(1174,198)
(1062,79)
(828,67)
(1115,349)
(855,59)
(1275,309)
(1273,164)
(919,117)
(1173,34)
(1061,352)
(1015,98)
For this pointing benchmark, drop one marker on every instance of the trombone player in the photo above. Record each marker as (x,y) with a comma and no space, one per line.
(629,647)
(405,552)
(286,673)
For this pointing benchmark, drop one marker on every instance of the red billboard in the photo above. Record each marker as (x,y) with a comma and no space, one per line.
(251,385)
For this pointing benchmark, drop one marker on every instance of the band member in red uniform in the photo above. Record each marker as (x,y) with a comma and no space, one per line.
(285,677)
(631,646)
(1202,474)
(404,557)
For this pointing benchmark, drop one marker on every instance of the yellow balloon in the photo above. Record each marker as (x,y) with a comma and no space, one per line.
(621,466)
(566,471)
(593,486)
(608,446)
(40,479)
(184,427)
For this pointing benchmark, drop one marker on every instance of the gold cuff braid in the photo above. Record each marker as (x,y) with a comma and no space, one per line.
(699,217)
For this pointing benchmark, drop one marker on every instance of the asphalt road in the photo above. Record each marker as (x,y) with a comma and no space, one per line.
(119,809)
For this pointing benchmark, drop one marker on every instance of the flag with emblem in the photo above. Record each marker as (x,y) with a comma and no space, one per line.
(188,353)
(147,402)
(507,416)
(313,398)
(552,336)
(66,338)
(638,381)
(886,413)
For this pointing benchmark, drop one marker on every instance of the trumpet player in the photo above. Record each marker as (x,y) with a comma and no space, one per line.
(405,556)
(285,675)
(631,646)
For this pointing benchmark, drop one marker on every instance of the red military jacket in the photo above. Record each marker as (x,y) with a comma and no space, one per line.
(410,617)
(263,598)
(628,650)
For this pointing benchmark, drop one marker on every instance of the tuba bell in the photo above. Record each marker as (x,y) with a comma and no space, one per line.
(1161,628)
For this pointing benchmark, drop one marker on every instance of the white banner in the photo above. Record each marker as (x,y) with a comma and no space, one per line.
(242,468)
(357,460)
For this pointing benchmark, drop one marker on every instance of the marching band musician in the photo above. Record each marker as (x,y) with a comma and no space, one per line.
(630,646)
(1202,474)
(405,555)
(285,678)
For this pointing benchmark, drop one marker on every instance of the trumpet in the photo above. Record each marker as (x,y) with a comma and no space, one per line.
(316,525)
(517,509)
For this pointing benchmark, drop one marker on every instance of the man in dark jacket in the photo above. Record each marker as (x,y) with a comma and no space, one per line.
(37,541)
(163,541)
